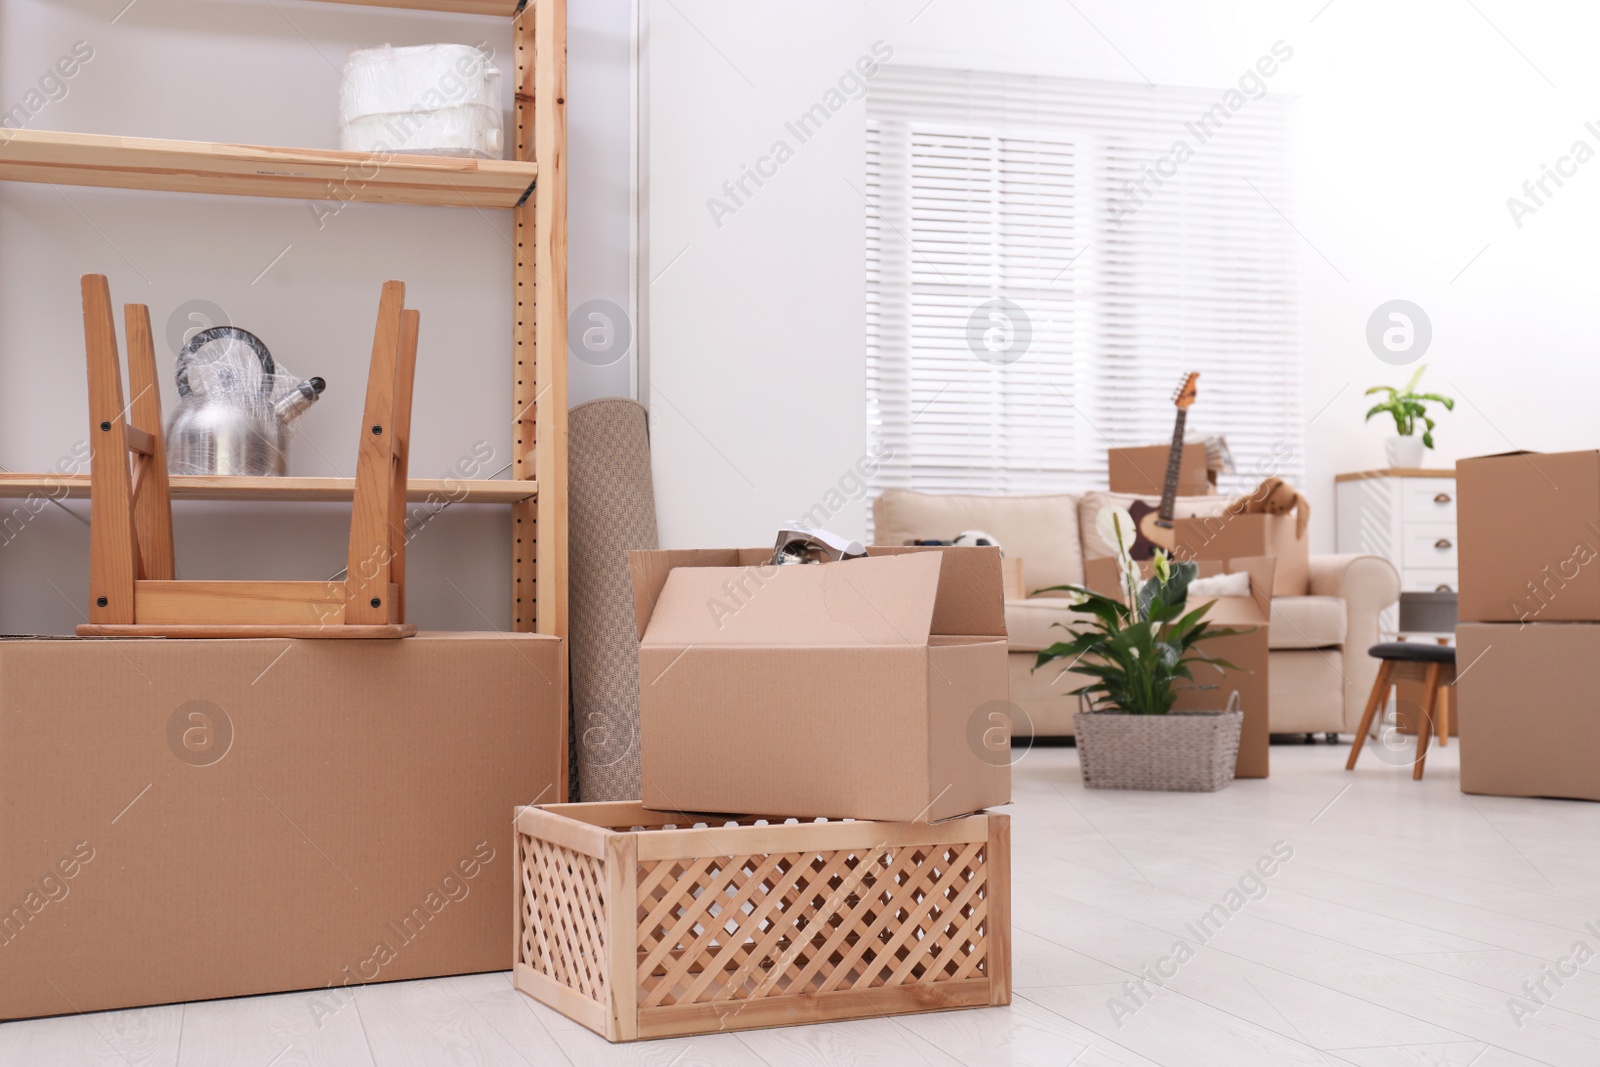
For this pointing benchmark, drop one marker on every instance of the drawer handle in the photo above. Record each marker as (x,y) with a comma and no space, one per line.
(1442,588)
(1443,542)
(1442,498)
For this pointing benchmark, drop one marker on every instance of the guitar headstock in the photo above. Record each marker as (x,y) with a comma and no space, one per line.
(1185,395)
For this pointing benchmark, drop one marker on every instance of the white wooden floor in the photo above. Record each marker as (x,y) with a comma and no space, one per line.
(1398,933)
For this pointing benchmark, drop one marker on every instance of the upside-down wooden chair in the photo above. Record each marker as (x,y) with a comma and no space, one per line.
(133,589)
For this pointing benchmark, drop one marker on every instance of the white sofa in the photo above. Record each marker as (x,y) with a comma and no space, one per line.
(1319,670)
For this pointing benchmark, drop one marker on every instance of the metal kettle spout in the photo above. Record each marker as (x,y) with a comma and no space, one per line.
(292,404)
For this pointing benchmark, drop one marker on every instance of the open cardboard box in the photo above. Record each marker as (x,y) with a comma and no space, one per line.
(864,689)
(1249,536)
(1248,651)
(1529,710)
(1528,537)
(182,820)
(1143,470)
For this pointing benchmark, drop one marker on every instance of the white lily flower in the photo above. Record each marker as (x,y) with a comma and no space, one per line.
(1116,528)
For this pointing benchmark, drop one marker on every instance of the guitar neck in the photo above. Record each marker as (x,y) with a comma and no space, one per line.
(1169,489)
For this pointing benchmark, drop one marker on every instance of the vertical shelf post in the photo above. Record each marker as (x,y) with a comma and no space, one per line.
(539,431)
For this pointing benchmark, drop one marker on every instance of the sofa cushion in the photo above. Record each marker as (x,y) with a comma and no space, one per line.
(1040,530)
(1030,624)
(1094,546)
(1306,622)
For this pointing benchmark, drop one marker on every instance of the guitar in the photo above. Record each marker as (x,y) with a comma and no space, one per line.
(1153,527)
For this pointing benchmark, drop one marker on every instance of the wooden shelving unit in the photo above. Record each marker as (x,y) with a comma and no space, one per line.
(532,185)
(305,490)
(249,170)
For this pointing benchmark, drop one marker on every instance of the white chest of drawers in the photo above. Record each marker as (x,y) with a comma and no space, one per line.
(1408,517)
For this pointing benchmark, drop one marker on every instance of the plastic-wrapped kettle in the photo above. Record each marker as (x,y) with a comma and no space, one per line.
(235,407)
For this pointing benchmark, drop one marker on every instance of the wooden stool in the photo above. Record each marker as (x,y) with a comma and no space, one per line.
(1435,667)
(132,591)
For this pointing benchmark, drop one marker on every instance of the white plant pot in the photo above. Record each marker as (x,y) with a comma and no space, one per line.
(1405,452)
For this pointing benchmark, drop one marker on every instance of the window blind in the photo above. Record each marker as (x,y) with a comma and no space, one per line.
(1043,268)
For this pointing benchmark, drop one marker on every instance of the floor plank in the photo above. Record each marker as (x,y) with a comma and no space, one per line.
(292,1030)
(146,1037)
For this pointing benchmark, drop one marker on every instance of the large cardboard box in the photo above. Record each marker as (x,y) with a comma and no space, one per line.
(1528,537)
(1248,651)
(865,689)
(1249,536)
(181,820)
(1143,470)
(1529,710)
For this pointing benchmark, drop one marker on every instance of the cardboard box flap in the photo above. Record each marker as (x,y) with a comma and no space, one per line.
(972,596)
(884,601)
(649,570)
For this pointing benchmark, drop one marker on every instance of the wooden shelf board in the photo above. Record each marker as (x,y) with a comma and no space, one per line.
(250,170)
(506,8)
(331,490)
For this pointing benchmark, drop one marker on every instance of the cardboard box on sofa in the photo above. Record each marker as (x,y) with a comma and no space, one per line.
(866,689)
(1250,536)
(1143,470)
(1247,651)
(182,820)
(1528,709)
(1528,537)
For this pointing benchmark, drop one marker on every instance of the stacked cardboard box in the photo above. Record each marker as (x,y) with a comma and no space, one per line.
(816,741)
(1143,470)
(866,689)
(1529,637)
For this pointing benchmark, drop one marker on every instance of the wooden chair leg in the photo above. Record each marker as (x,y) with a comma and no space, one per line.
(1430,696)
(1447,696)
(112,550)
(152,502)
(370,563)
(1380,694)
(405,373)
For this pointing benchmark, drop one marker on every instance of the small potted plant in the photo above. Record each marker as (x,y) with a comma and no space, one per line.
(1406,406)
(1141,650)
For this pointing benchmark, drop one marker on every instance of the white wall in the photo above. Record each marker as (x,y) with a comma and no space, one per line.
(269,73)
(756,382)
(601,98)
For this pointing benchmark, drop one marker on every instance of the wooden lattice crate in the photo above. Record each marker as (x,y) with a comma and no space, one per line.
(641,924)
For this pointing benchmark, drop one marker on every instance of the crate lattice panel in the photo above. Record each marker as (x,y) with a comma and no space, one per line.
(563,907)
(736,928)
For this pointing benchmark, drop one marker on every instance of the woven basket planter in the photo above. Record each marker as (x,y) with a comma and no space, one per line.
(1182,751)
(642,924)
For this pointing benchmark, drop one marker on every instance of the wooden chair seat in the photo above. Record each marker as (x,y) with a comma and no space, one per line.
(133,587)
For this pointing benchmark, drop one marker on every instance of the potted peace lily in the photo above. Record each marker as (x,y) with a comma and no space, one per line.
(1141,650)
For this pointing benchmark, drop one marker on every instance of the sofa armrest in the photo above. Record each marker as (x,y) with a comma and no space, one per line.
(1367,585)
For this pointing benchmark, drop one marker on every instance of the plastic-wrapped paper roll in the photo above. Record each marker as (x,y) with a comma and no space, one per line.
(432,100)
